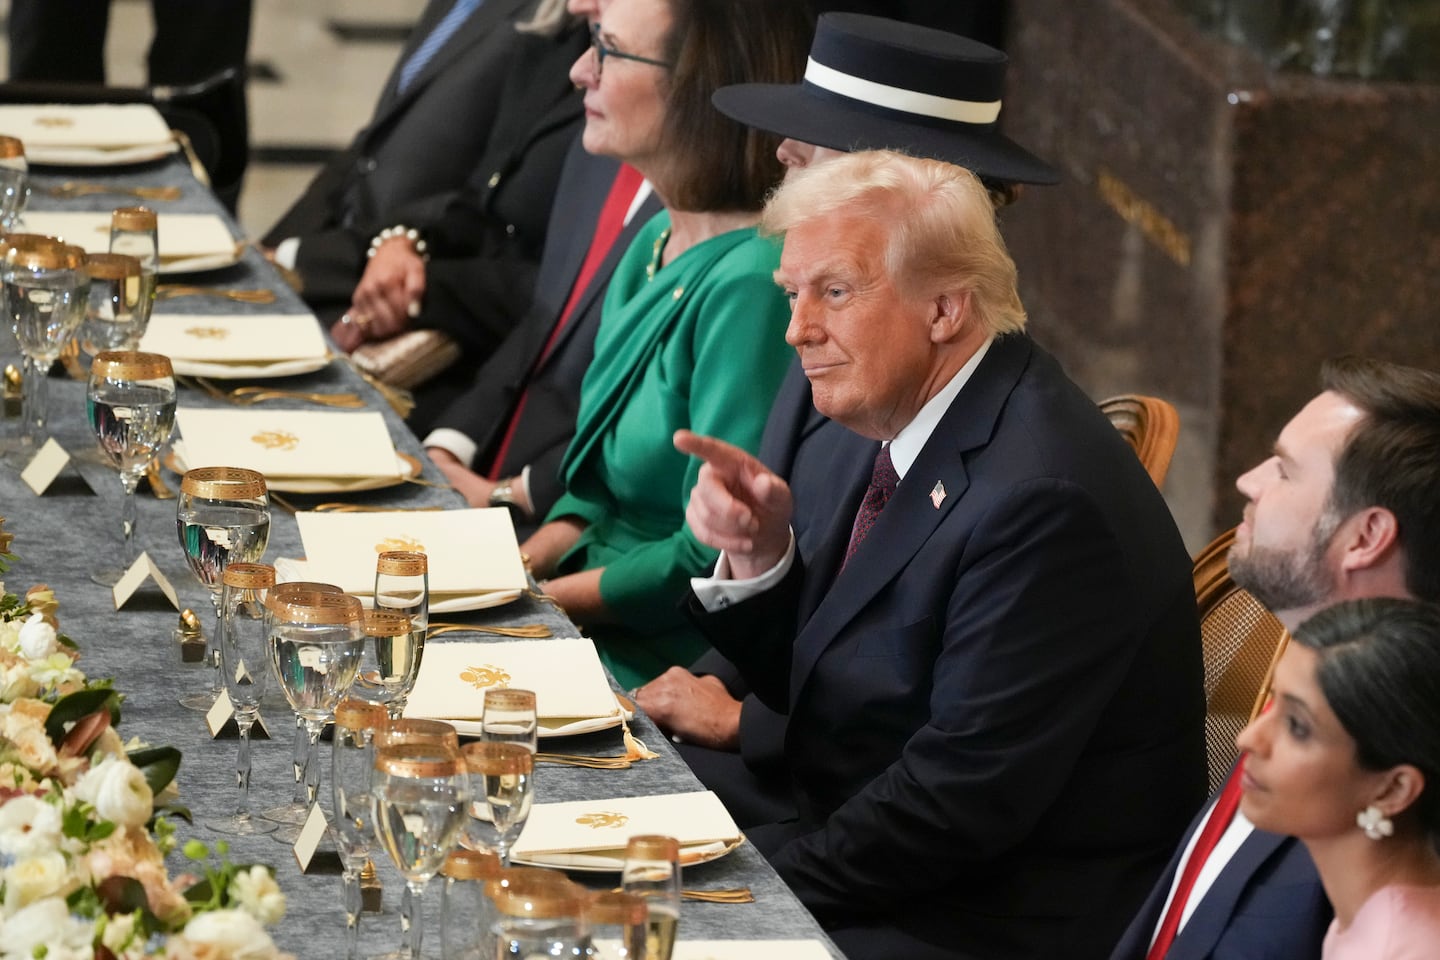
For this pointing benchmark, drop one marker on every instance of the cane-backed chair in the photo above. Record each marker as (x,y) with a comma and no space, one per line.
(1151,425)
(1242,641)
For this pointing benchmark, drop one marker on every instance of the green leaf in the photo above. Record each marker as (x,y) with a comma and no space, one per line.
(159,764)
(78,704)
(173,809)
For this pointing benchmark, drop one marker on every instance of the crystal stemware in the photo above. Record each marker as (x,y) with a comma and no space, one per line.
(502,788)
(134,231)
(420,799)
(539,921)
(509,717)
(391,661)
(466,914)
(616,924)
(352,766)
(244,662)
(402,585)
(14,182)
(130,402)
(46,291)
(222,516)
(652,872)
(118,310)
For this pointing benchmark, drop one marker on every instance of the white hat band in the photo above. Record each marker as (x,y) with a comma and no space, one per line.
(898,98)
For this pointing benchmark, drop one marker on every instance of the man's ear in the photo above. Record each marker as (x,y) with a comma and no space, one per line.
(1370,537)
(950,315)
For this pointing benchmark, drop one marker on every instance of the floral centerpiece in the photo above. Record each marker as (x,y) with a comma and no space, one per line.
(83,828)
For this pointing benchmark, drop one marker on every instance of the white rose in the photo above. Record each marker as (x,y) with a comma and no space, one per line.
(258,894)
(118,792)
(232,935)
(30,741)
(16,682)
(29,827)
(35,878)
(119,931)
(37,638)
(46,923)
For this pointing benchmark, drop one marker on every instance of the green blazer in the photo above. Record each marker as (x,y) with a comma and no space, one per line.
(701,346)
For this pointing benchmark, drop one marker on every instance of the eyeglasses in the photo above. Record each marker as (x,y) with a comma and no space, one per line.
(602,51)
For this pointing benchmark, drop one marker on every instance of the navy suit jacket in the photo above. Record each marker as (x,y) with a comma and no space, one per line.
(1266,904)
(996,706)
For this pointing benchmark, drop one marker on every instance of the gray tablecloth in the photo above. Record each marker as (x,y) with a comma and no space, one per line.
(75,527)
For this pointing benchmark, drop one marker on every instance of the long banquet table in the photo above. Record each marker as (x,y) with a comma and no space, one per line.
(75,525)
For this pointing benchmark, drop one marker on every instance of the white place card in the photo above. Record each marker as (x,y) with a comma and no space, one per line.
(45,466)
(311,835)
(469,551)
(141,570)
(245,338)
(564,672)
(220,721)
(290,443)
(605,826)
(180,234)
(84,125)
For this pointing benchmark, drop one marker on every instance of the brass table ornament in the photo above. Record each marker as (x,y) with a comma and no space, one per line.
(191,637)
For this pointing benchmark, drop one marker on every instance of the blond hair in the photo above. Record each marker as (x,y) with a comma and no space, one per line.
(550,17)
(942,231)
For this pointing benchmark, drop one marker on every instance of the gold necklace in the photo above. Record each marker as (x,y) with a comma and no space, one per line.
(655,252)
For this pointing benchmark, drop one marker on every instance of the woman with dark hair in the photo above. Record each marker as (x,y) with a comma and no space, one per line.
(1347,758)
(692,333)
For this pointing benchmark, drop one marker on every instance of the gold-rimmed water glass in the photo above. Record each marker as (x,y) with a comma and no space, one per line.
(315,651)
(509,717)
(391,661)
(352,769)
(130,402)
(421,795)
(502,789)
(652,872)
(402,585)
(46,292)
(466,914)
(118,310)
(222,516)
(615,922)
(134,231)
(539,921)
(14,182)
(245,665)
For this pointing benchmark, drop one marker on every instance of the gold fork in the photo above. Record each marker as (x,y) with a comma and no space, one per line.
(73,189)
(170,290)
(534,631)
(246,396)
(367,508)
(716,895)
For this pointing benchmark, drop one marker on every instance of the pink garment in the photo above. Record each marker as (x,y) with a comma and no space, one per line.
(1396,923)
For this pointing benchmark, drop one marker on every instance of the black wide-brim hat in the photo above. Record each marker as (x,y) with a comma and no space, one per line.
(876,84)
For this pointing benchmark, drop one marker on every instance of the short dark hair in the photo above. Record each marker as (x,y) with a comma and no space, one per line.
(1392,457)
(723,164)
(1379,669)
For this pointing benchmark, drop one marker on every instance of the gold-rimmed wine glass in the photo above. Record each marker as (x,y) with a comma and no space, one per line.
(14,182)
(466,914)
(391,661)
(402,585)
(502,788)
(134,231)
(130,402)
(118,311)
(222,516)
(46,292)
(352,774)
(509,717)
(652,872)
(546,920)
(244,659)
(616,920)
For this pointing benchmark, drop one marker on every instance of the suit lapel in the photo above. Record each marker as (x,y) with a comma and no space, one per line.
(911,517)
(491,16)
(1213,914)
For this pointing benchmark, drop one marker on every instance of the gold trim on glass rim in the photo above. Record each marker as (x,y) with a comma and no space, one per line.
(611,907)
(112,266)
(652,846)
(415,731)
(495,759)
(541,904)
(386,623)
(419,760)
(316,608)
(132,218)
(130,365)
(471,865)
(402,563)
(355,714)
(510,698)
(298,588)
(226,483)
(249,576)
(11,147)
(38,255)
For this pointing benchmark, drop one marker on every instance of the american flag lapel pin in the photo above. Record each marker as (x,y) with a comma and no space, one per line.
(937,494)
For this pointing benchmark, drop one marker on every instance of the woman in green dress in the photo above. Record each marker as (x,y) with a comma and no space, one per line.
(692,333)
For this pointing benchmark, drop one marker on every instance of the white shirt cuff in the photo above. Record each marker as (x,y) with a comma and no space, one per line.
(456,442)
(287,252)
(524,481)
(718,591)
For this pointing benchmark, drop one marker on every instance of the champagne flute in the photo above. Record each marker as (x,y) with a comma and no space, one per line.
(509,717)
(118,311)
(502,787)
(402,585)
(352,766)
(616,920)
(14,182)
(420,800)
(222,516)
(652,872)
(315,650)
(131,405)
(391,660)
(294,812)
(134,231)
(244,658)
(46,292)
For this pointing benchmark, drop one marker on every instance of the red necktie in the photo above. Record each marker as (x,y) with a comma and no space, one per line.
(607,229)
(1214,829)
(883,481)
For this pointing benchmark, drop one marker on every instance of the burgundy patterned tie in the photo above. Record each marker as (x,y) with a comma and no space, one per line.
(883,481)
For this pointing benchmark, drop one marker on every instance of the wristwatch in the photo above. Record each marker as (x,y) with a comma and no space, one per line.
(504,496)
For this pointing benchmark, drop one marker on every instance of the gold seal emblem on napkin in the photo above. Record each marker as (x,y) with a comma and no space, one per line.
(54,122)
(276,440)
(404,544)
(207,333)
(599,821)
(485,676)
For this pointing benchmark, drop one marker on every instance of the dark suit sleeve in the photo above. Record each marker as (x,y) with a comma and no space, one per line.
(757,635)
(1029,656)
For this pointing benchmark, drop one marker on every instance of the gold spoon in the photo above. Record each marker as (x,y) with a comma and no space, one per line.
(534,631)
(73,189)
(367,508)
(169,290)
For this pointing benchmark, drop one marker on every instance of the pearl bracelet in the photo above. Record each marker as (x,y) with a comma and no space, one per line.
(400,230)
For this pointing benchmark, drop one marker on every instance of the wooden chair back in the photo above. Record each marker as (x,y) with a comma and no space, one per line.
(1242,642)
(1151,425)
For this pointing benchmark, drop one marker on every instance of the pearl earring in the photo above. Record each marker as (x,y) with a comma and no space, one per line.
(1376,825)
